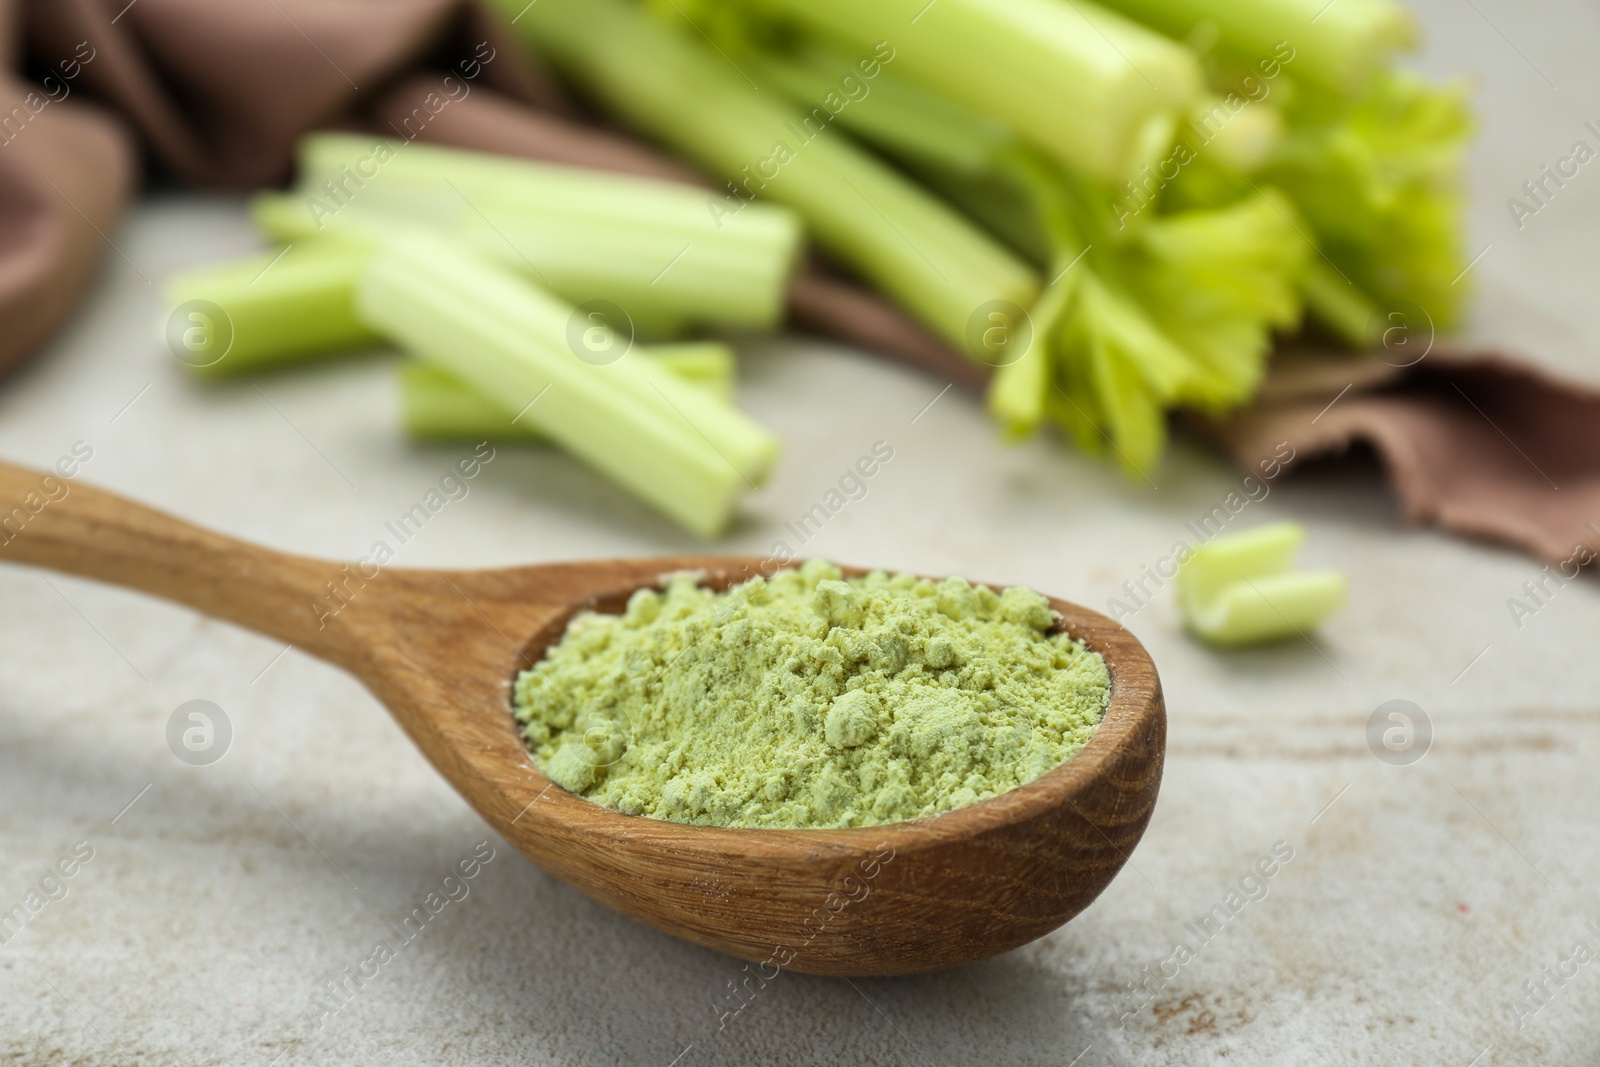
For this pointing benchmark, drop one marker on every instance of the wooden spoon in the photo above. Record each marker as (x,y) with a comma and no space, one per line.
(441,649)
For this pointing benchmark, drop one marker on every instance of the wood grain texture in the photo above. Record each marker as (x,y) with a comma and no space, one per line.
(441,649)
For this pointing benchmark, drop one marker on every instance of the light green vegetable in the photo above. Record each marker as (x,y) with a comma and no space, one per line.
(1021,383)
(1371,156)
(1084,84)
(1241,589)
(649,246)
(277,308)
(1240,145)
(905,121)
(1182,200)
(669,443)
(668,82)
(1162,310)
(1379,180)
(437,405)
(1339,44)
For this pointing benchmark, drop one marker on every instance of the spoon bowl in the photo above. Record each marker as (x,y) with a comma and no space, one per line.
(441,650)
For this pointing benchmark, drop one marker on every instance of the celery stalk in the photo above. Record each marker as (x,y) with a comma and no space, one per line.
(1339,45)
(649,246)
(668,443)
(281,307)
(1081,82)
(612,266)
(437,405)
(1241,589)
(906,242)
(332,164)
(903,120)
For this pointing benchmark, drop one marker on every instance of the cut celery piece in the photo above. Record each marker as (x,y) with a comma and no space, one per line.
(1241,589)
(907,243)
(437,405)
(571,267)
(585,233)
(1079,81)
(1271,608)
(670,444)
(278,308)
(417,173)
(568,266)
(650,246)
(1224,561)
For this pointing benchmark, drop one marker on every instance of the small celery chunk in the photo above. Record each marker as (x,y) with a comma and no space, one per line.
(1242,589)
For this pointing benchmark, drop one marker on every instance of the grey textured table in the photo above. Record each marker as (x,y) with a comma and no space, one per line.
(221,900)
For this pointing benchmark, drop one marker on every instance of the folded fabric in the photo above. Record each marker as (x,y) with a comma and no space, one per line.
(219,92)
(1480,444)
(216,93)
(65,175)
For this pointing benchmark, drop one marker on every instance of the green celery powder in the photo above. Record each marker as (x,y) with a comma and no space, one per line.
(810,701)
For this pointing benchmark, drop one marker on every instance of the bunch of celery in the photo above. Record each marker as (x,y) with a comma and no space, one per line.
(1174,309)
(1377,177)
(1105,206)
(475,264)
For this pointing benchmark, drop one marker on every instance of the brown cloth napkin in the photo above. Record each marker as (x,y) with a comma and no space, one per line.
(65,171)
(1479,444)
(217,92)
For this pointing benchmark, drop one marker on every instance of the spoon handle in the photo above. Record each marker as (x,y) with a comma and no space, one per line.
(47,520)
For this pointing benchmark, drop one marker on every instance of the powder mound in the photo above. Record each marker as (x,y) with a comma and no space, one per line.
(809,700)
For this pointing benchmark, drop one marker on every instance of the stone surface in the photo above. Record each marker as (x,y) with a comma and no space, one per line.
(1418,901)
